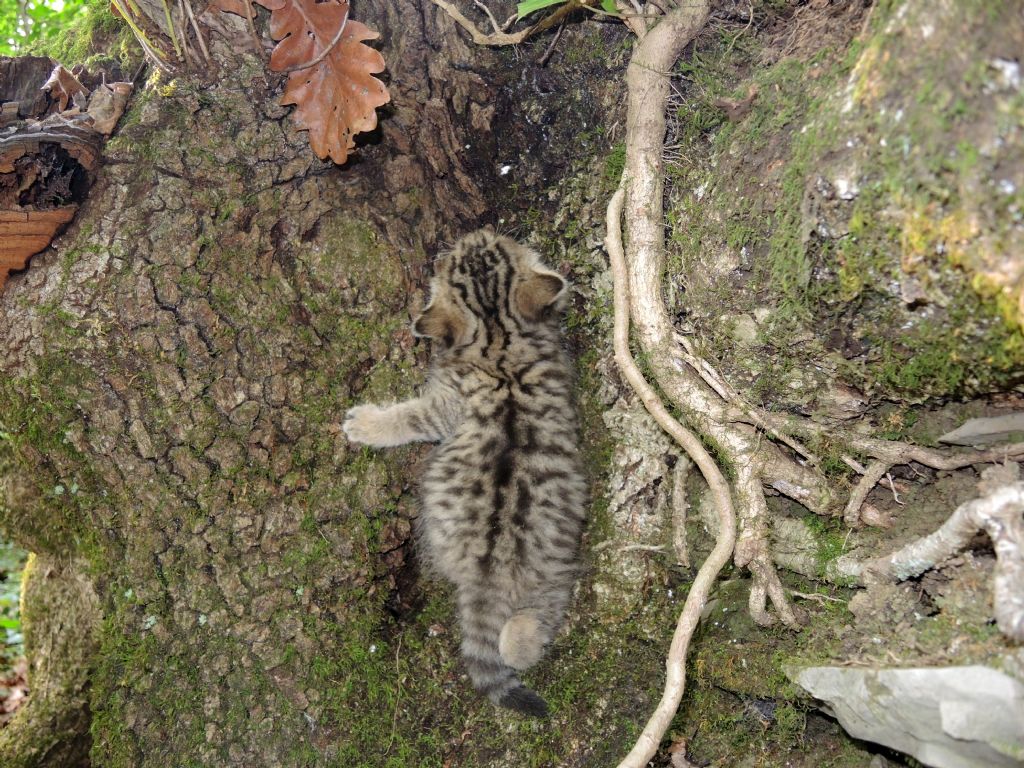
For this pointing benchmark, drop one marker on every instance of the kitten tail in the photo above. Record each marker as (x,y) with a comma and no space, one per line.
(490,673)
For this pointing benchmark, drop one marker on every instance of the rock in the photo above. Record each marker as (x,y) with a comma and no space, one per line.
(946,717)
(991,429)
(839,401)
(743,328)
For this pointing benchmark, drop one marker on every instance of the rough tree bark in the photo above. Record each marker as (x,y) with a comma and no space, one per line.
(172,374)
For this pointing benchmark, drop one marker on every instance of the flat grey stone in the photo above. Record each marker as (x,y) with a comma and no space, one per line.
(991,429)
(946,717)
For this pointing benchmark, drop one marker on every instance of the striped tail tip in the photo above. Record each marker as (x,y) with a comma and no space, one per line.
(523,700)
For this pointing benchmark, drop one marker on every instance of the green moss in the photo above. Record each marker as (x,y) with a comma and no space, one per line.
(95,35)
(913,211)
(61,488)
(740,707)
(614,163)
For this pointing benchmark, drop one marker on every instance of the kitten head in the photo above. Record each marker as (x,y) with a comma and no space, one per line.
(489,283)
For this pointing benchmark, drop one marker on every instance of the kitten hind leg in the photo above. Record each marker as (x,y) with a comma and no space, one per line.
(522,640)
(526,635)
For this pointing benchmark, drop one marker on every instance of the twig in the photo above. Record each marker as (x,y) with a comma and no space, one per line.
(743,31)
(641,548)
(195,28)
(189,54)
(170,30)
(147,46)
(325,51)
(892,487)
(872,475)
(817,598)
(250,19)
(543,60)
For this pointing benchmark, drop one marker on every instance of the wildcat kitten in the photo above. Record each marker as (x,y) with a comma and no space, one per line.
(503,496)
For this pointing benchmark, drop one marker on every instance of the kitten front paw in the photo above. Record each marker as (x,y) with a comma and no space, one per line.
(366,424)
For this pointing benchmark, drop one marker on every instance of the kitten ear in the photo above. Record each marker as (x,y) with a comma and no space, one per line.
(538,292)
(440,323)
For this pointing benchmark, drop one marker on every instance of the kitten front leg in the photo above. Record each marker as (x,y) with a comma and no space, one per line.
(428,418)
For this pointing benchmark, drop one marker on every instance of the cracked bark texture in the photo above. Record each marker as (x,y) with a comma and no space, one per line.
(172,374)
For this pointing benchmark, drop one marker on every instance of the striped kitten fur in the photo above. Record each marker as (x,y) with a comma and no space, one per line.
(503,497)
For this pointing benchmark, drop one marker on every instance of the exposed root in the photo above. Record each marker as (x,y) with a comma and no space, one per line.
(872,476)
(766,586)
(675,665)
(753,550)
(1000,513)
(500,36)
(497,37)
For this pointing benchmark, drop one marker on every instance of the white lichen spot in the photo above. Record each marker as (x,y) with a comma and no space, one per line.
(700,191)
(503,171)
(149,622)
(203,618)
(927,30)
(1009,73)
(846,189)
(1007,187)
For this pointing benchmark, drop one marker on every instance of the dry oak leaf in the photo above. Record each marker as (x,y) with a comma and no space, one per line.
(64,86)
(337,97)
(236,7)
(107,104)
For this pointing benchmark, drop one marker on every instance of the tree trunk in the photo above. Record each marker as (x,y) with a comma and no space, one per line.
(174,371)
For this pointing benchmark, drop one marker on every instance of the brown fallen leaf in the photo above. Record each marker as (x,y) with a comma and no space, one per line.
(236,7)
(13,690)
(678,752)
(107,104)
(331,79)
(737,108)
(64,86)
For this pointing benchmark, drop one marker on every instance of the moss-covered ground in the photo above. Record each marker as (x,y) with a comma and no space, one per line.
(833,224)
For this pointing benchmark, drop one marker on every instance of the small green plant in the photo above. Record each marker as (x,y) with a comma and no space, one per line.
(530,6)
(12,562)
